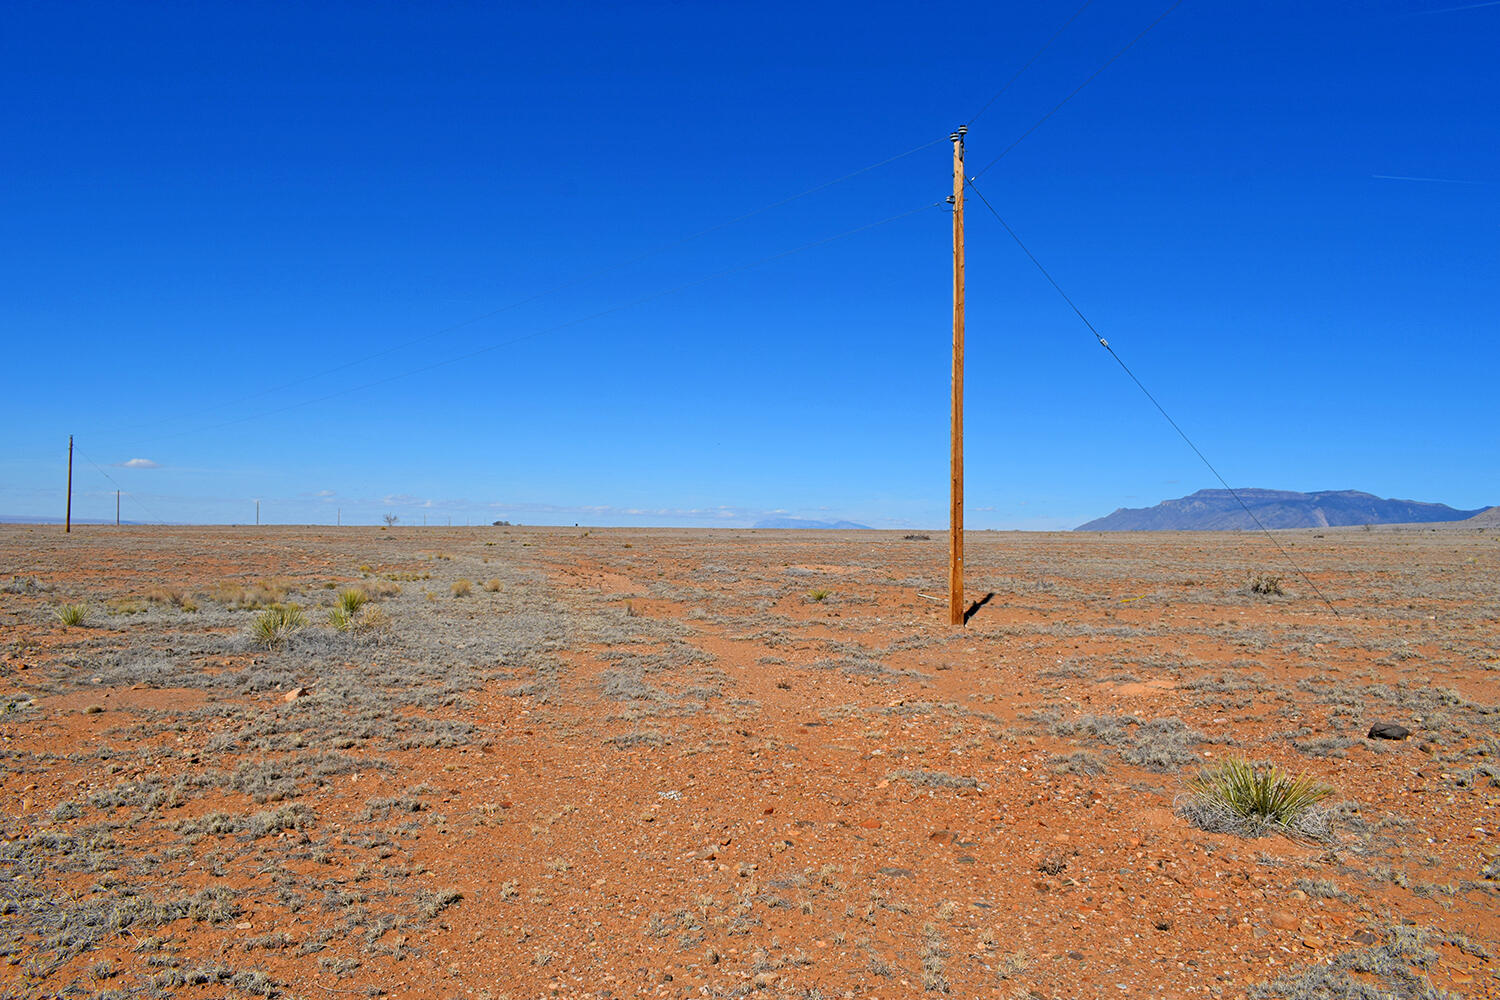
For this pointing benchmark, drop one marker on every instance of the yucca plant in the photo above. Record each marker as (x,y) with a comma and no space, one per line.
(352,599)
(819,595)
(73,614)
(340,619)
(273,625)
(1236,796)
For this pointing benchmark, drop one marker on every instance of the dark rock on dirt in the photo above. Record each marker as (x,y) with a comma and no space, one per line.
(1388,731)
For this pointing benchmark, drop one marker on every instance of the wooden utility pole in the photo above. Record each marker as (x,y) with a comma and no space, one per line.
(257,513)
(956,485)
(117,508)
(68,520)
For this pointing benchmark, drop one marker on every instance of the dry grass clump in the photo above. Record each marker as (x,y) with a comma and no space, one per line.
(461,588)
(368,618)
(276,624)
(1238,797)
(262,594)
(170,595)
(492,586)
(1266,585)
(380,589)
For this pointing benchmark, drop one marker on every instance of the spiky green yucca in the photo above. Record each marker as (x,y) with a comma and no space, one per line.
(1261,797)
(273,625)
(352,599)
(819,595)
(340,619)
(73,614)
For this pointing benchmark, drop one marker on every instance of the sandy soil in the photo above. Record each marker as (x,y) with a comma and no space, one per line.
(708,764)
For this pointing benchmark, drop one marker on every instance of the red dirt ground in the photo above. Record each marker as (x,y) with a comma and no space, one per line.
(656,763)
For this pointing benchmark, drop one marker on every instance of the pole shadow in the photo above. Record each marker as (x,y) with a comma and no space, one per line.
(974,608)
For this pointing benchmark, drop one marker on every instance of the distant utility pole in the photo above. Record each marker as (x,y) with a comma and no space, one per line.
(339,522)
(956,485)
(117,508)
(68,520)
(257,513)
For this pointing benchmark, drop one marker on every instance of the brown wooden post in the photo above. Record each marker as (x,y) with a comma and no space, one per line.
(68,520)
(956,496)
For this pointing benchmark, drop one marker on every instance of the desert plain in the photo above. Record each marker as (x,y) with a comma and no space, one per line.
(566,762)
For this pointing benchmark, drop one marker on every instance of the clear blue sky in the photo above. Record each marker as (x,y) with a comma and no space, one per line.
(235,235)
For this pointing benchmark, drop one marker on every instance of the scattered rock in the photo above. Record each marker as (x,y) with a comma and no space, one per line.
(1284,921)
(294,694)
(869,824)
(895,872)
(1364,937)
(1312,942)
(1388,731)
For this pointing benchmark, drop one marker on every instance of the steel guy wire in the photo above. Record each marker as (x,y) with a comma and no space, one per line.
(1286,556)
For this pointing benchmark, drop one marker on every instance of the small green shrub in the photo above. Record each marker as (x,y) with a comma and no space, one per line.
(819,595)
(340,620)
(1236,796)
(73,614)
(275,624)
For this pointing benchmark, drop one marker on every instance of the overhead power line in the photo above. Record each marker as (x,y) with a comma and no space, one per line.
(1154,401)
(1088,80)
(123,492)
(1037,55)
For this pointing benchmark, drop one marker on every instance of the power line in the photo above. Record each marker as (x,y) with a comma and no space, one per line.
(563,326)
(1154,402)
(1090,79)
(572,283)
(134,499)
(1047,45)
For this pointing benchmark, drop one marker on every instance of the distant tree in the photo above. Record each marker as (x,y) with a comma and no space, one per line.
(391,519)
(500,524)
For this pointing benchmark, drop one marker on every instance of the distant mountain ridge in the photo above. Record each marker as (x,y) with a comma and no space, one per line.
(1217,510)
(805,525)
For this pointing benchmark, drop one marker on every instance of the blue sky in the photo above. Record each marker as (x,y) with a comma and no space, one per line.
(434,259)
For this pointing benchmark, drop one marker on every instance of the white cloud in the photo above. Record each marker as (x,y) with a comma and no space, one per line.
(138,463)
(325,494)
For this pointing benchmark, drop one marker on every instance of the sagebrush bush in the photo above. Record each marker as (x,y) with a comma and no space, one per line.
(1236,796)
(461,588)
(492,585)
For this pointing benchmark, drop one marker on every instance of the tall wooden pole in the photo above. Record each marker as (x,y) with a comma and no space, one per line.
(68,520)
(117,508)
(956,496)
